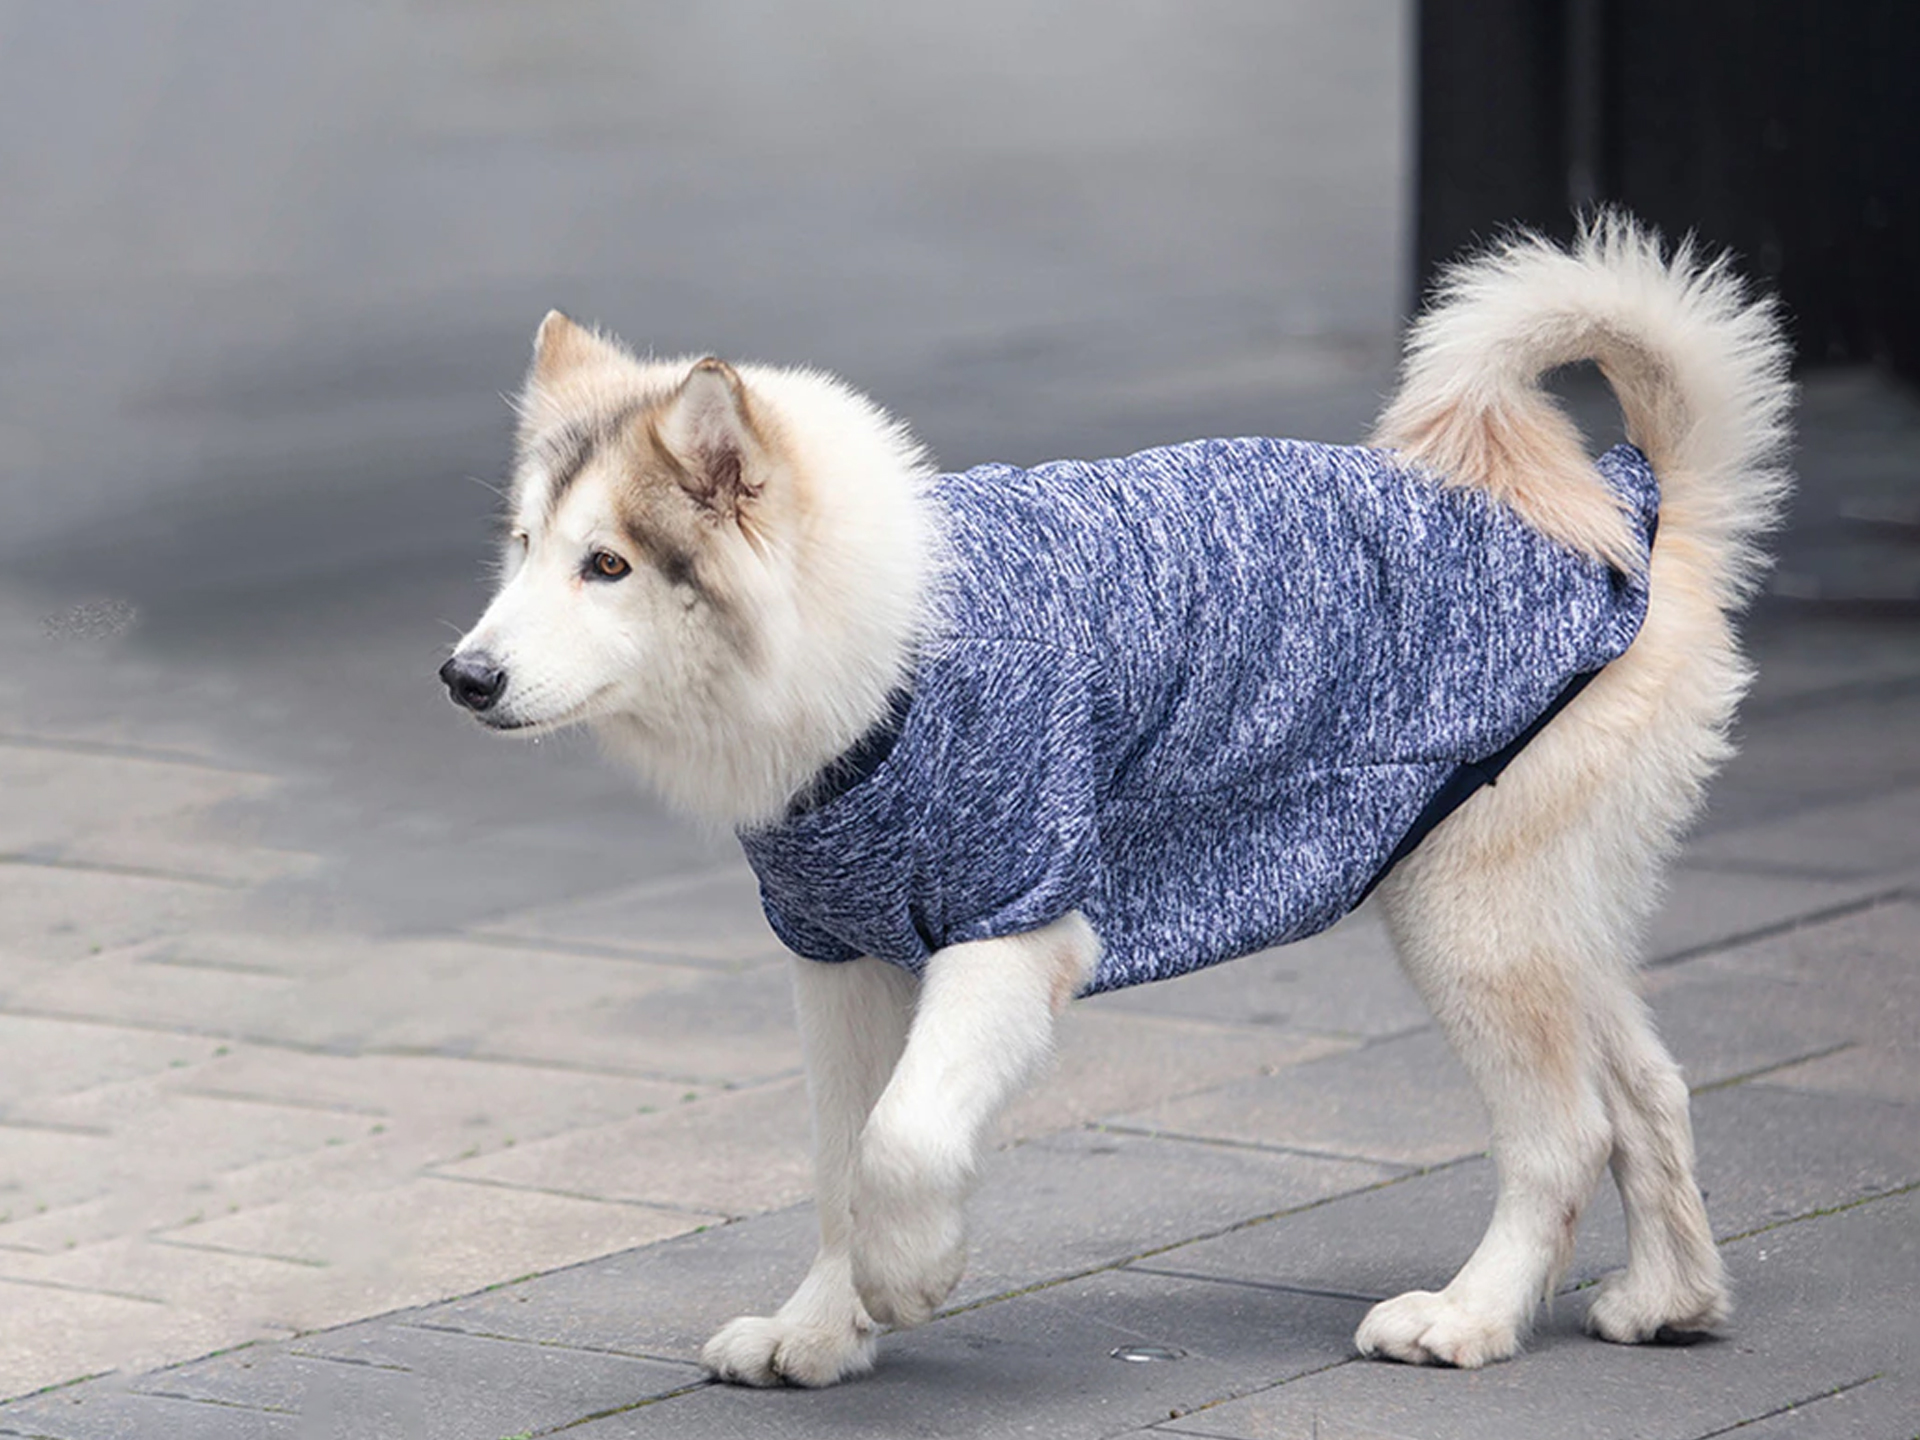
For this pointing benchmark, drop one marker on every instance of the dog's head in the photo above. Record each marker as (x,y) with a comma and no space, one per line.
(641,519)
(666,573)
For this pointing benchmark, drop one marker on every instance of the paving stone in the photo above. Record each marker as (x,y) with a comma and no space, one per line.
(480,1099)
(146,1148)
(1887,1406)
(1828,1302)
(455,1386)
(664,1300)
(1705,907)
(733,1153)
(1046,1210)
(1083,1199)
(1885,1071)
(1823,662)
(61,913)
(1814,765)
(713,916)
(1852,976)
(419,1241)
(1861,838)
(1345,980)
(452,997)
(1108,1061)
(202,847)
(41,1057)
(1406,1101)
(1720,1024)
(50,1335)
(57,798)
(1038,1364)
(726,1029)
(110,1415)
(140,1303)
(1765,1154)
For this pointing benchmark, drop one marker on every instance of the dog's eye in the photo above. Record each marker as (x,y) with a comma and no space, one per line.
(606,565)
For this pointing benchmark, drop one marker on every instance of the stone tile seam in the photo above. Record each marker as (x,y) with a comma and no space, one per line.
(28,859)
(56,1127)
(1793,812)
(1123,1262)
(1274,1285)
(1220,1400)
(213,1401)
(1892,895)
(1841,1389)
(108,749)
(155,1027)
(720,1084)
(217,967)
(244,1097)
(1821,1213)
(1707,1087)
(350,1360)
(1182,1137)
(391,1052)
(687,1389)
(1847,692)
(206,1247)
(647,1355)
(1742,867)
(1247,1224)
(487,1182)
(6,1279)
(678,959)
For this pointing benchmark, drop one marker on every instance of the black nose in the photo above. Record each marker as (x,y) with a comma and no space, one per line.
(473,680)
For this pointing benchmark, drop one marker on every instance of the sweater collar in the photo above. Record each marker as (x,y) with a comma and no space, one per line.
(857,762)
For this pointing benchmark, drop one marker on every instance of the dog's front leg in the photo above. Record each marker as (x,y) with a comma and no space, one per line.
(853,1023)
(985,1022)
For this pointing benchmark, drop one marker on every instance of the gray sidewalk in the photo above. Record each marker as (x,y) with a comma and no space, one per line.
(582,1117)
(1299,1145)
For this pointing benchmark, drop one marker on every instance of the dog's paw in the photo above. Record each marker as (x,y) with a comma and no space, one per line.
(1628,1313)
(768,1350)
(1424,1328)
(909,1240)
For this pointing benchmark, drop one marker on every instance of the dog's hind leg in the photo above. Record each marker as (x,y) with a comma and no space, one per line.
(985,1022)
(853,1025)
(1674,1284)
(1502,954)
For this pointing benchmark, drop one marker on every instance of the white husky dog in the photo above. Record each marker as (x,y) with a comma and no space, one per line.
(729,573)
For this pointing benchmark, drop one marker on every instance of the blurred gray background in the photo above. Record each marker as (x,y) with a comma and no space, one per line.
(266,271)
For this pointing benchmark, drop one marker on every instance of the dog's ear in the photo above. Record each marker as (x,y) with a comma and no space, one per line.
(560,347)
(708,425)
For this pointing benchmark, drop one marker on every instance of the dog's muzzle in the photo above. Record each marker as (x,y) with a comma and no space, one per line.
(473,680)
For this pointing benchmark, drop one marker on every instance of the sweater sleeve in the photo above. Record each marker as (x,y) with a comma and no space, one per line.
(807,941)
(1016,841)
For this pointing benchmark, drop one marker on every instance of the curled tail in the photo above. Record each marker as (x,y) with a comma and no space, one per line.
(1698,366)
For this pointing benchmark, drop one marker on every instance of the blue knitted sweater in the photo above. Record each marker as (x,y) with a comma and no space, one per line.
(1201,694)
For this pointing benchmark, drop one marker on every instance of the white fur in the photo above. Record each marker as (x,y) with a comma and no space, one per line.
(1518,919)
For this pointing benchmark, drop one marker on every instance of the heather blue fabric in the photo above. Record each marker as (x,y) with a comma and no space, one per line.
(1198,694)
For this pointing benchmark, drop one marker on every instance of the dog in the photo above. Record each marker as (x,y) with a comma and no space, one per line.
(997,740)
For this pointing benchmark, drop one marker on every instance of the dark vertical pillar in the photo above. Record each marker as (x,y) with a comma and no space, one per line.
(1785,130)
(1492,145)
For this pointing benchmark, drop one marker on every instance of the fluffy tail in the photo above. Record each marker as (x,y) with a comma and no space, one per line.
(1699,368)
